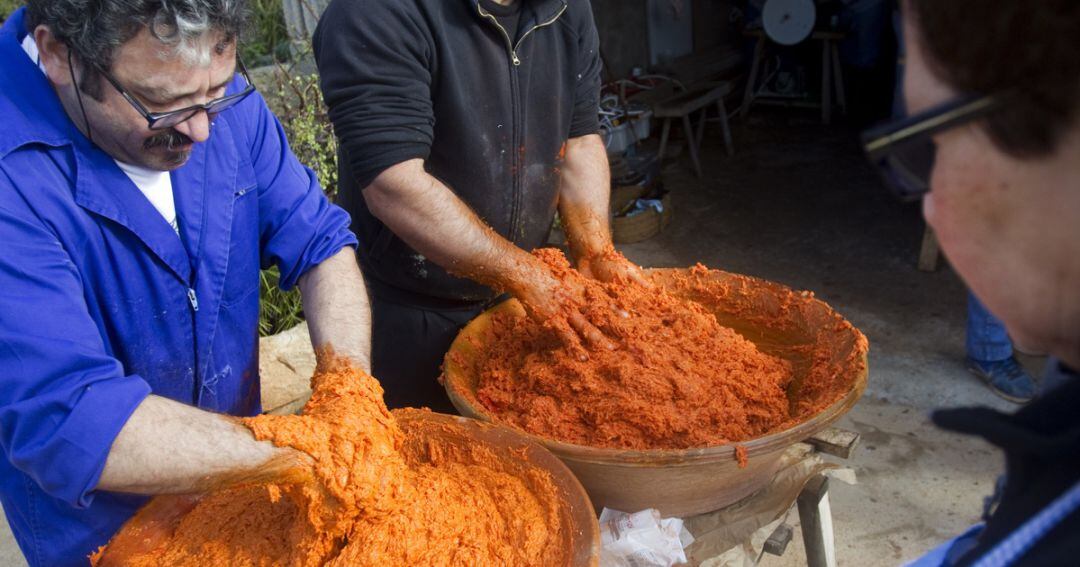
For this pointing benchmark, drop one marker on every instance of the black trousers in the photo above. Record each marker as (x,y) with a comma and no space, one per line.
(407,350)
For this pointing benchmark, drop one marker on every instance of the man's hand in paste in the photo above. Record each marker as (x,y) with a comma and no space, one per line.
(611,267)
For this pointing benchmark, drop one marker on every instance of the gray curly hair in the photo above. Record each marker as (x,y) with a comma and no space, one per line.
(95,29)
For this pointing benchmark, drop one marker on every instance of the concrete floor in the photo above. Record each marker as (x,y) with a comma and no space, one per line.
(799,205)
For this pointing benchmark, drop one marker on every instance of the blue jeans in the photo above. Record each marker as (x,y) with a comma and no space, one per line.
(987,339)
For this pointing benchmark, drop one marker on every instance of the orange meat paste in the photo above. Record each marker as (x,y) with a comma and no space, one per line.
(380,497)
(676,378)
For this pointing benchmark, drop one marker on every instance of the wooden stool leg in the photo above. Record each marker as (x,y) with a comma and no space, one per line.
(815,516)
(838,76)
(701,126)
(826,82)
(728,145)
(928,251)
(664,138)
(751,88)
(688,130)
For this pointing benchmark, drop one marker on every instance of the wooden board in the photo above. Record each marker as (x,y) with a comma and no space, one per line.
(836,442)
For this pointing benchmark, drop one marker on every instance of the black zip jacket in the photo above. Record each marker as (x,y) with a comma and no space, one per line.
(1042,460)
(443,81)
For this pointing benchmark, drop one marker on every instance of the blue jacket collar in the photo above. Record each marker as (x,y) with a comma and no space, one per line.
(29,106)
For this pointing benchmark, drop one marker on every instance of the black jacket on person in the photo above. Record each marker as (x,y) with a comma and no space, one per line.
(442,81)
(1042,459)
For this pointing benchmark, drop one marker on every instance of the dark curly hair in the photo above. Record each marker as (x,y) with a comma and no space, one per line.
(94,29)
(1024,50)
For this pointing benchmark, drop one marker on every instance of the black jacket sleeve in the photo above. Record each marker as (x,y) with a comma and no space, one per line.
(587,89)
(374,60)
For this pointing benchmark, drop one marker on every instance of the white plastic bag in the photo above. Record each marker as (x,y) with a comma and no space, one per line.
(642,539)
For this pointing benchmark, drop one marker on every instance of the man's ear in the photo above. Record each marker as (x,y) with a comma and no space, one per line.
(54,56)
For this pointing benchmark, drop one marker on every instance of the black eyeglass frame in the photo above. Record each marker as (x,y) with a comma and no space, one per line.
(880,142)
(154,120)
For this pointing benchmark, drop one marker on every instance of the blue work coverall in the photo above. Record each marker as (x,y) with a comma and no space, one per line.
(102,304)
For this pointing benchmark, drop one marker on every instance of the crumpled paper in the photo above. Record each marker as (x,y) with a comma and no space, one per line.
(642,539)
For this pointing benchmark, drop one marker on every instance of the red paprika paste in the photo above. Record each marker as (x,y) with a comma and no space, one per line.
(676,379)
(379,497)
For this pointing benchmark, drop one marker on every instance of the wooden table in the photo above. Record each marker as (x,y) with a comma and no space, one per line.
(832,79)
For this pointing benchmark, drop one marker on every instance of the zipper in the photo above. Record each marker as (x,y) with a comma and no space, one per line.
(502,30)
(510,45)
(536,27)
(193,300)
(512,48)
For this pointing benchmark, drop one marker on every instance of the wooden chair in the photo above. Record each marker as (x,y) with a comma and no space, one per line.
(681,106)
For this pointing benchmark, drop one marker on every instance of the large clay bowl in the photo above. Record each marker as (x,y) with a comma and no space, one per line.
(156,521)
(681,483)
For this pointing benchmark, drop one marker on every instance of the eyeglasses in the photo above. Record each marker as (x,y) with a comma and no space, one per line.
(904,150)
(164,120)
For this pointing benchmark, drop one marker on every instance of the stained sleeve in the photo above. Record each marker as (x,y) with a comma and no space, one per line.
(587,87)
(374,59)
(63,399)
(299,227)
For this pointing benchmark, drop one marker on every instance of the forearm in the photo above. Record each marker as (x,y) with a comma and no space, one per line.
(584,197)
(436,223)
(336,307)
(167,447)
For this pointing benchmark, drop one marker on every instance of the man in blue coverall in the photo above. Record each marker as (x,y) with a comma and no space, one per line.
(143,183)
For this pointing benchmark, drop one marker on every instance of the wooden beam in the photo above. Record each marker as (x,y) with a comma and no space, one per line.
(836,442)
(779,540)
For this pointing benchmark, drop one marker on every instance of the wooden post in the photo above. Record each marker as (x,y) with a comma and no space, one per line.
(664,133)
(838,75)
(816,518)
(751,88)
(928,251)
(688,129)
(728,144)
(826,81)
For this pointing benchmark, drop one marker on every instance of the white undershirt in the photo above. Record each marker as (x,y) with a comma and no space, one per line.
(155,185)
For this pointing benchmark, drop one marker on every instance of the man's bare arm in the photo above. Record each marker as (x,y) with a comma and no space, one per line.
(336,307)
(584,200)
(167,447)
(436,223)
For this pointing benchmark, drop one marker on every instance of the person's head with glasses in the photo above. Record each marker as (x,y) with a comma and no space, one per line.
(991,145)
(142,79)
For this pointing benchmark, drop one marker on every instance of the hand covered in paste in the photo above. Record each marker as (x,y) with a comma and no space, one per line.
(610,266)
(558,303)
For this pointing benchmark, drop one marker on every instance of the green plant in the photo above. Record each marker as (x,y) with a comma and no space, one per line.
(297,101)
(278,310)
(266,38)
(298,104)
(7,7)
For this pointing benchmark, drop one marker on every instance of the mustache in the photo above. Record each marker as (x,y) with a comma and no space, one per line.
(170,140)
